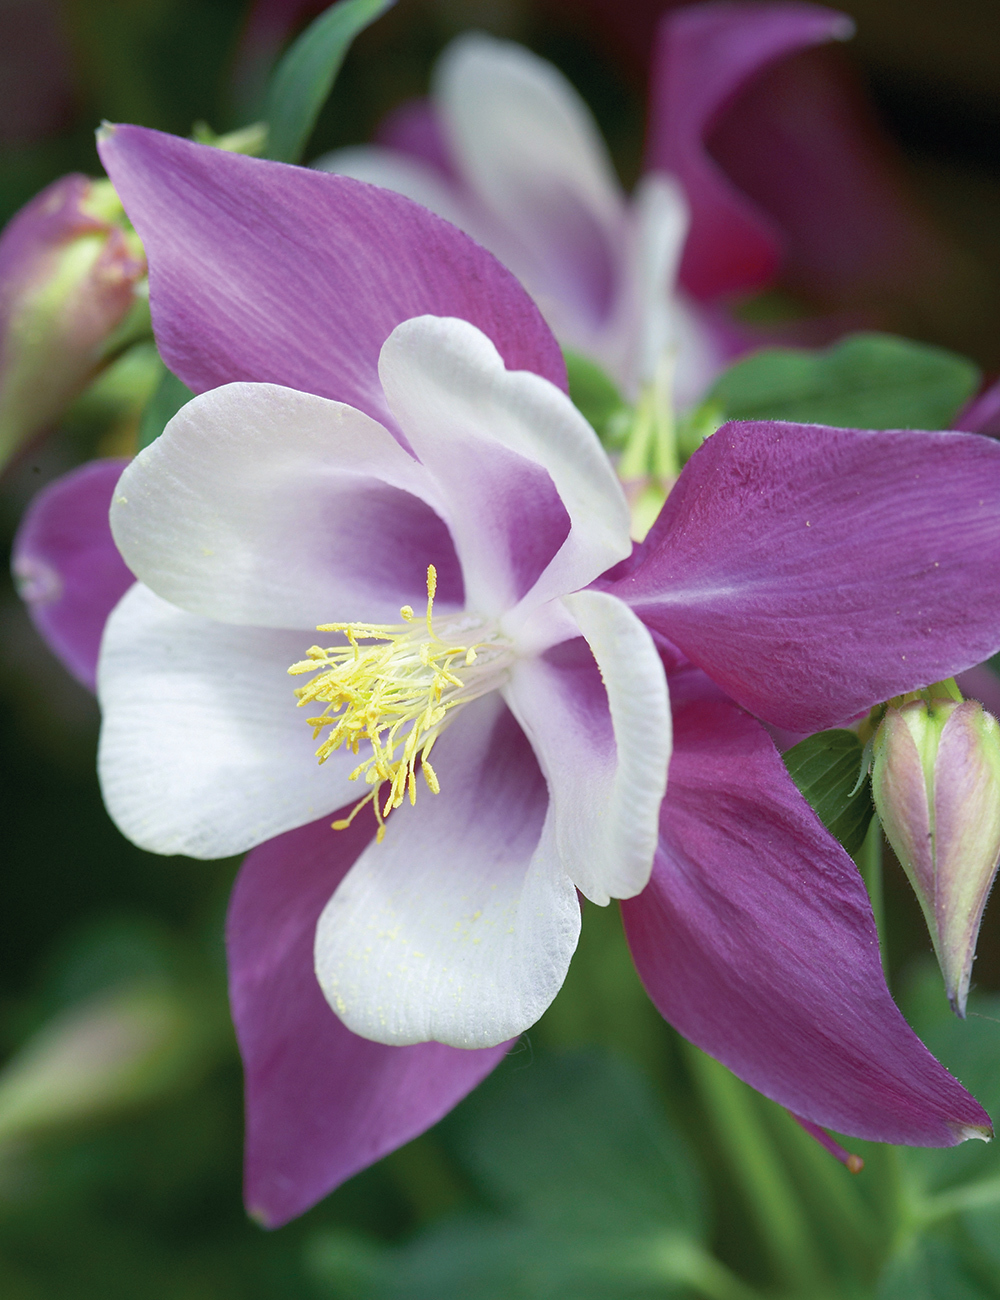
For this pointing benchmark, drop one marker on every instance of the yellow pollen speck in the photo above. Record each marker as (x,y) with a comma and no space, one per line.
(395,687)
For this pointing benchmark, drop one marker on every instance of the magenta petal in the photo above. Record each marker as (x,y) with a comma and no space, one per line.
(705,53)
(321,1102)
(982,683)
(812,572)
(982,415)
(269,273)
(755,939)
(67,567)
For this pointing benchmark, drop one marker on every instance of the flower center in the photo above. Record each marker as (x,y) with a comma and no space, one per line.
(396,687)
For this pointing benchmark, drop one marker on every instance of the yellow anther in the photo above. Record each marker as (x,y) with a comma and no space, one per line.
(432,586)
(395,687)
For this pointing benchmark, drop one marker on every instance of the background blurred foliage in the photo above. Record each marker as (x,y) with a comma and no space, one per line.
(635,1169)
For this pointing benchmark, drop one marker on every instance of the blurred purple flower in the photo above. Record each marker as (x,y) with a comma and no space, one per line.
(799,572)
(807,181)
(509,152)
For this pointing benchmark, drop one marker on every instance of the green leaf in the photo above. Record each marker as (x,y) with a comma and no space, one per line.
(597,398)
(344,1264)
(250,140)
(825,767)
(970,1049)
(696,425)
(956,1190)
(578,1140)
(169,395)
(931,1270)
(866,381)
(304,78)
(599,1195)
(484,1258)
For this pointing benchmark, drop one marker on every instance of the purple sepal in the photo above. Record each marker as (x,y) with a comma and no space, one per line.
(812,571)
(704,55)
(755,939)
(981,683)
(414,128)
(321,1102)
(264,272)
(982,415)
(66,565)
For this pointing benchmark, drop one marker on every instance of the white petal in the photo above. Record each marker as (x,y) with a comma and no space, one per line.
(604,746)
(263,505)
(527,145)
(459,927)
(663,319)
(460,408)
(202,749)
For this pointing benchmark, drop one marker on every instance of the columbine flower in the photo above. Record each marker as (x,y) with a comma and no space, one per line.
(262,511)
(68,274)
(522,168)
(804,573)
(508,151)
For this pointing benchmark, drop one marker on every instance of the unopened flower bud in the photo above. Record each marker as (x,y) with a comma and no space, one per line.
(936,782)
(94,1060)
(69,271)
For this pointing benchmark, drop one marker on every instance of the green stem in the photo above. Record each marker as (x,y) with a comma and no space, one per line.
(846,1212)
(769,1194)
(680,1260)
(973,1196)
(869,861)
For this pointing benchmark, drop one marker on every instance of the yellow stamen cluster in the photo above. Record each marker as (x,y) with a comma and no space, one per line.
(395,692)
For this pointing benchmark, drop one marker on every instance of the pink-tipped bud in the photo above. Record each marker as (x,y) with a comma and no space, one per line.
(69,272)
(936,782)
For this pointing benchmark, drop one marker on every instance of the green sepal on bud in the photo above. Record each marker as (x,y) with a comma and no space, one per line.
(936,784)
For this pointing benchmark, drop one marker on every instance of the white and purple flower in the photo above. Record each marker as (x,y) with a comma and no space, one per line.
(263,512)
(343,444)
(508,151)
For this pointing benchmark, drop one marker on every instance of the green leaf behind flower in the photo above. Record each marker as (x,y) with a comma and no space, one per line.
(597,1195)
(304,78)
(866,381)
(825,767)
(596,397)
(169,395)
(932,1270)
(949,1248)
